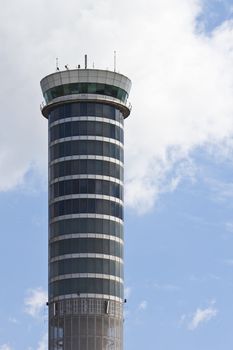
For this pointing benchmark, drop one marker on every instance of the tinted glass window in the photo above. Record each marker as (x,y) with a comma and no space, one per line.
(86,205)
(86,285)
(86,147)
(86,245)
(83,88)
(88,128)
(86,225)
(86,265)
(86,166)
(79,109)
(86,186)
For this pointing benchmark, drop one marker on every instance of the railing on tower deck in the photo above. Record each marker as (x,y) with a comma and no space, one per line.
(127,104)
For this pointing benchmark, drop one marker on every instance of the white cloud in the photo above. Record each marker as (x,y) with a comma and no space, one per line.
(13,320)
(5,347)
(201,316)
(143,305)
(182,84)
(222,191)
(35,302)
(43,343)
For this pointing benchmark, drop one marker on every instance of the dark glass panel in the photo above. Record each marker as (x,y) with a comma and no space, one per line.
(85,186)
(77,109)
(91,206)
(82,128)
(86,225)
(85,285)
(99,167)
(91,110)
(86,147)
(91,223)
(83,205)
(91,88)
(108,112)
(85,245)
(100,89)
(83,109)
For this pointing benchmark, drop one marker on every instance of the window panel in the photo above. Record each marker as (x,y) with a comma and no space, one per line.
(77,109)
(85,245)
(86,225)
(86,285)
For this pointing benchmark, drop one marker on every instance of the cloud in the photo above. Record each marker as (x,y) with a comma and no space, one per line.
(201,316)
(43,343)
(222,191)
(5,347)
(180,116)
(182,84)
(35,302)
(143,305)
(13,320)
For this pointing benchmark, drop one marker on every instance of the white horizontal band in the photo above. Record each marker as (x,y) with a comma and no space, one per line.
(87,138)
(86,176)
(86,255)
(87,118)
(87,216)
(86,196)
(86,157)
(86,235)
(86,275)
(90,98)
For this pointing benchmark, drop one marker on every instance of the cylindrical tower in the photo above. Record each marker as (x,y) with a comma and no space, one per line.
(85,109)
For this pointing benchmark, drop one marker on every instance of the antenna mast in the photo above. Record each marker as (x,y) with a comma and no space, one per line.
(114,61)
(57,68)
(85,61)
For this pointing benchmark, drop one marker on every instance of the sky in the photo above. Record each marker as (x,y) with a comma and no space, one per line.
(178,168)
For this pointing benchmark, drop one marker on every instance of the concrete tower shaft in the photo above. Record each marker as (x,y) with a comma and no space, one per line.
(86,109)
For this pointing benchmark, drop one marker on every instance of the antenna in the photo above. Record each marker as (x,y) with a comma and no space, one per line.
(57,68)
(114,61)
(85,61)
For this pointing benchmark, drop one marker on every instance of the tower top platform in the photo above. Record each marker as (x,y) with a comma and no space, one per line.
(87,76)
(87,84)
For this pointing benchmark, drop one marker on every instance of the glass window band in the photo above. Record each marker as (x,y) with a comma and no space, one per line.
(86,285)
(86,245)
(86,225)
(83,109)
(86,147)
(85,88)
(86,128)
(86,265)
(86,186)
(86,166)
(86,205)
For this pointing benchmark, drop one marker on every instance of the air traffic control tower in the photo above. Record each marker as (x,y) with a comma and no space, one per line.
(86,109)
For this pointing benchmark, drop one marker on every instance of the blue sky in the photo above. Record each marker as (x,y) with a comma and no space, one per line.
(179,169)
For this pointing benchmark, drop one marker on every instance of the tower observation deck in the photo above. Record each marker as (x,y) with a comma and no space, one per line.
(86,109)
